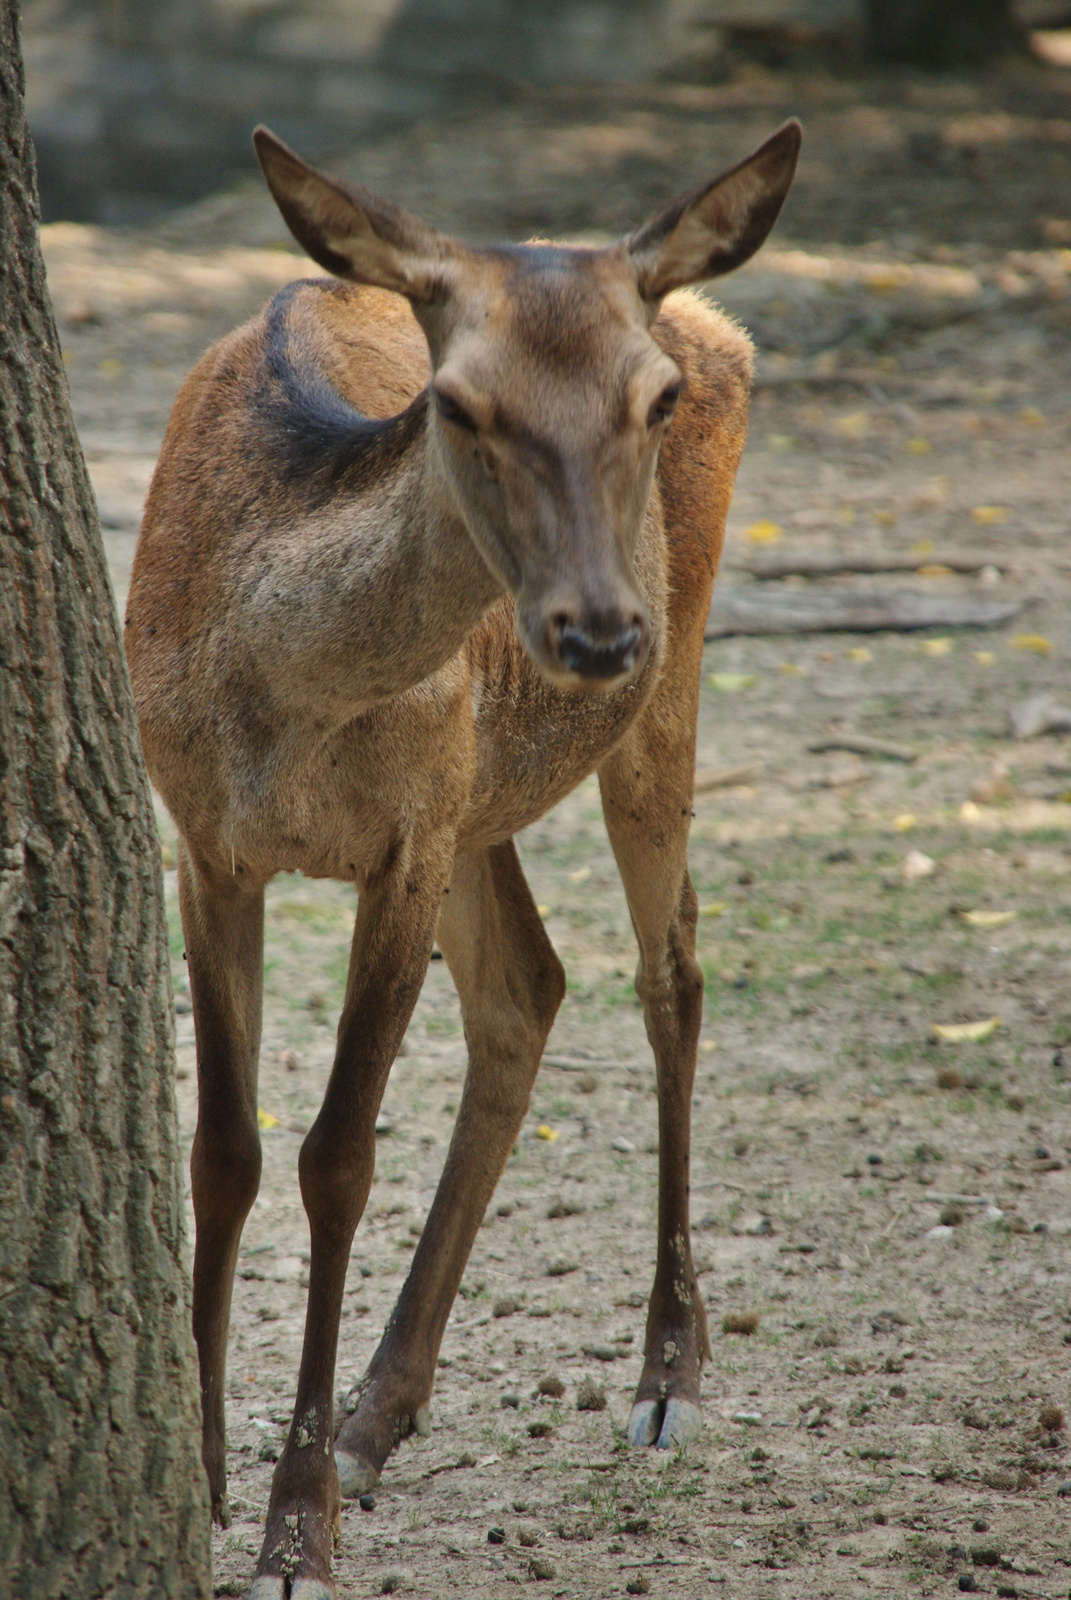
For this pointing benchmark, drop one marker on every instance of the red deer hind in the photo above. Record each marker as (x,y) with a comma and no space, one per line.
(423,550)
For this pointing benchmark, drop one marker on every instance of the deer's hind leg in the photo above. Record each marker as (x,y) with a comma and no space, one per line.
(511,984)
(647,794)
(223,928)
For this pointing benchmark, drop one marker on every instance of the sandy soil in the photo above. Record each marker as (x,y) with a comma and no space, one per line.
(893,1208)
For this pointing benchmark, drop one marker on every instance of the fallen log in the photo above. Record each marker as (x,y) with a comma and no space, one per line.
(743,611)
(826,563)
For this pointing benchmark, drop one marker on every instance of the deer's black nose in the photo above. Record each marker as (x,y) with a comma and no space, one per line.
(590,657)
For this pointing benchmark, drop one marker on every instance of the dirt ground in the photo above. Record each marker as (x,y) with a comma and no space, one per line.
(893,1208)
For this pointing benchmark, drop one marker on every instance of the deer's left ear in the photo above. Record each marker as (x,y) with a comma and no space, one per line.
(354,233)
(710,231)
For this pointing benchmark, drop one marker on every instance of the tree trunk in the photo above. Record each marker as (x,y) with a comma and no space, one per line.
(101,1486)
(941,33)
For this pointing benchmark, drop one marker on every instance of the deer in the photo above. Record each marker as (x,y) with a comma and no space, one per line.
(429,542)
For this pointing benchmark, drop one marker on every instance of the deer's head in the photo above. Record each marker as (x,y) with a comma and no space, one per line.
(549,396)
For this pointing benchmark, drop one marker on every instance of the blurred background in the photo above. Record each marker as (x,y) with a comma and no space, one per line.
(882,834)
(138,106)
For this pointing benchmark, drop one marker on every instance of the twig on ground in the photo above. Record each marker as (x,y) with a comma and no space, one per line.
(861,744)
(893,1220)
(582,1064)
(725,777)
(826,563)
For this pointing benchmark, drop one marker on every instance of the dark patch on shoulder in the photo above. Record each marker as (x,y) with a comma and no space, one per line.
(326,445)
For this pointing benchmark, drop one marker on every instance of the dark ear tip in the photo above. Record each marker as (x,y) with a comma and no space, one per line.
(788,137)
(269,146)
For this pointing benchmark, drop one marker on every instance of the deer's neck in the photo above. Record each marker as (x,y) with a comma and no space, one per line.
(371,591)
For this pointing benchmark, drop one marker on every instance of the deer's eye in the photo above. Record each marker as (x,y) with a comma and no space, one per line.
(450,411)
(665,405)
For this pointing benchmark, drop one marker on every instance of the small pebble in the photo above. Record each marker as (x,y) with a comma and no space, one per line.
(819,1497)
(602,1352)
(875,1160)
(496,1536)
(1007,1591)
(561,1268)
(622,1145)
(980,1525)
(637,1586)
(967,1583)
(391,1583)
(510,1402)
(590,1396)
(367,1502)
(551,1385)
(1064,1491)
(506,1306)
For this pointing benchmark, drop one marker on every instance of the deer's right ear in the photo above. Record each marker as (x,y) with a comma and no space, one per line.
(712,230)
(354,233)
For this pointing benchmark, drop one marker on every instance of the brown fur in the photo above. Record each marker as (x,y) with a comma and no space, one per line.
(333,676)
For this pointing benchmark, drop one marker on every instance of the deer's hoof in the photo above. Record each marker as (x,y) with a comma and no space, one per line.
(644,1423)
(298,1589)
(422,1422)
(221,1510)
(354,1477)
(682,1423)
(666,1424)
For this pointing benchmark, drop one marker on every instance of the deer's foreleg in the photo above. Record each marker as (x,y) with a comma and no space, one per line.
(647,788)
(223,927)
(511,984)
(392,943)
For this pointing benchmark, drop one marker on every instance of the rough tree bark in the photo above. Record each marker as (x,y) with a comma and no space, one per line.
(101,1487)
(941,33)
